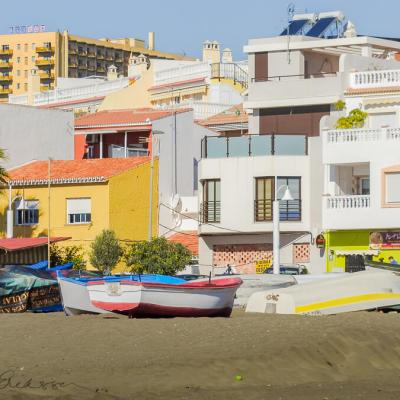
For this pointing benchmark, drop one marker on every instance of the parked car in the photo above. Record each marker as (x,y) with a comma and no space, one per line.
(284,270)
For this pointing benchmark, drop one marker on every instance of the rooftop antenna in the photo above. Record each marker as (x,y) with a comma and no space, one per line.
(290,13)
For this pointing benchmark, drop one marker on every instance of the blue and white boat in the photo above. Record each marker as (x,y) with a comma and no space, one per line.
(75,296)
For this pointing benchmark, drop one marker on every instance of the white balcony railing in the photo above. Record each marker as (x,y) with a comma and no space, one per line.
(362,135)
(71,94)
(373,79)
(182,73)
(344,202)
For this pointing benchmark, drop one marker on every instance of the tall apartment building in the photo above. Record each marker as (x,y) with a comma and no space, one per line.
(60,54)
(295,82)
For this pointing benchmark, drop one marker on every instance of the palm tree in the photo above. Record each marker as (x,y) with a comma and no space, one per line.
(3,172)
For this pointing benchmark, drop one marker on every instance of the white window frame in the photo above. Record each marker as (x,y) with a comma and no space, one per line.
(27,213)
(79,214)
(387,184)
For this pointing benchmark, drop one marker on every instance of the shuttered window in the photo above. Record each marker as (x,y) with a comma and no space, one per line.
(79,211)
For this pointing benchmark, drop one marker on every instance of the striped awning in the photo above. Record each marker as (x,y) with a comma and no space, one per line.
(381,100)
(357,252)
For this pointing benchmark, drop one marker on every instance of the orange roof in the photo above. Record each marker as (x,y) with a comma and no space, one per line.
(375,90)
(233,115)
(188,239)
(73,171)
(142,116)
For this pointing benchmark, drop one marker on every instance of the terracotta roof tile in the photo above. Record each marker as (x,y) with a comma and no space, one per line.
(188,239)
(75,169)
(235,114)
(120,117)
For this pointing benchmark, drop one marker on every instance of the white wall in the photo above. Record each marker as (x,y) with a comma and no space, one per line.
(29,133)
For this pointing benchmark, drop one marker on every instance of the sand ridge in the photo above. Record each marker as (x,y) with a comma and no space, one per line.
(111,357)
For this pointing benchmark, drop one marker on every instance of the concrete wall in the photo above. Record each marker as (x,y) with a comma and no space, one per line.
(279,65)
(352,63)
(28,133)
(187,155)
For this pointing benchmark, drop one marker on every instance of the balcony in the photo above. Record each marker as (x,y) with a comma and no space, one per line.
(296,90)
(254,145)
(46,75)
(357,145)
(91,54)
(45,49)
(100,56)
(5,91)
(91,68)
(288,210)
(210,211)
(6,52)
(375,79)
(345,202)
(6,78)
(6,64)
(82,66)
(45,61)
(101,69)
(73,51)
(72,64)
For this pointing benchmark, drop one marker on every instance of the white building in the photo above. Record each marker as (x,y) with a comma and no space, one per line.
(294,81)
(362,174)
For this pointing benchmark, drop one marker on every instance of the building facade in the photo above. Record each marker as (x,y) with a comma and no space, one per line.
(86,196)
(293,85)
(361,199)
(60,54)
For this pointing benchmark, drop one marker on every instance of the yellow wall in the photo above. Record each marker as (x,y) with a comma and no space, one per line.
(134,96)
(82,234)
(129,202)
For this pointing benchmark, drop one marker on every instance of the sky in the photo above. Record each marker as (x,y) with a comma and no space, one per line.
(181,26)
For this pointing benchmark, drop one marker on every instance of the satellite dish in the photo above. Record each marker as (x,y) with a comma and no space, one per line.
(176,203)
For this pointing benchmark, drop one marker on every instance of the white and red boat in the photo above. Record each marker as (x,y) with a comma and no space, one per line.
(200,298)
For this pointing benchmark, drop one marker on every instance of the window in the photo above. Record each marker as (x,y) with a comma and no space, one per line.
(90,152)
(211,206)
(26,73)
(392,187)
(26,47)
(25,86)
(290,210)
(364,186)
(26,61)
(18,46)
(79,211)
(27,212)
(33,58)
(263,199)
(33,45)
(18,85)
(18,60)
(18,72)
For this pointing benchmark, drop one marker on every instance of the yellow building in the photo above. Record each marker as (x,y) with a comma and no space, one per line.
(60,54)
(86,196)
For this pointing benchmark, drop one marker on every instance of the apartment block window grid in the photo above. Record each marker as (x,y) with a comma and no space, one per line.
(211,206)
(79,211)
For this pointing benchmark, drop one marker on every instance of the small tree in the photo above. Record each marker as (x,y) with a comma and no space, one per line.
(355,119)
(62,255)
(159,256)
(105,251)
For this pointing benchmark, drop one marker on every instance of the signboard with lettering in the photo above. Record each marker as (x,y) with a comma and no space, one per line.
(27,29)
(320,241)
(384,240)
(262,265)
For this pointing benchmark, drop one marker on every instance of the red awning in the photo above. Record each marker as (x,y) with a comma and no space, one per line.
(15,244)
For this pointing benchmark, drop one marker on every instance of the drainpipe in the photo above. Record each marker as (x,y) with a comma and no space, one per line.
(10,219)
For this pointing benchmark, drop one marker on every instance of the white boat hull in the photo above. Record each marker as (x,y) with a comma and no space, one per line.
(75,298)
(138,299)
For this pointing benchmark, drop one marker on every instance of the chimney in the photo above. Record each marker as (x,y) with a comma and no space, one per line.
(33,84)
(151,41)
(112,73)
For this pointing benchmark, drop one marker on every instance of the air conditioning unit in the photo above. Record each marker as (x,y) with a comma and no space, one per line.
(92,138)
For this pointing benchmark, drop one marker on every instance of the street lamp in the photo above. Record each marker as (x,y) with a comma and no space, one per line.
(275,221)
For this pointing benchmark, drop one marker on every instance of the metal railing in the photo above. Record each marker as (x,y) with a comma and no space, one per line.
(254,145)
(353,201)
(210,211)
(263,210)
(290,210)
(229,71)
(278,78)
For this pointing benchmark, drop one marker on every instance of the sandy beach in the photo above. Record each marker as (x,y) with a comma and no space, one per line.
(349,356)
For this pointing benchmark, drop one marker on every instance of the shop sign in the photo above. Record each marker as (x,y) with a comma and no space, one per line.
(27,29)
(320,241)
(262,265)
(384,240)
